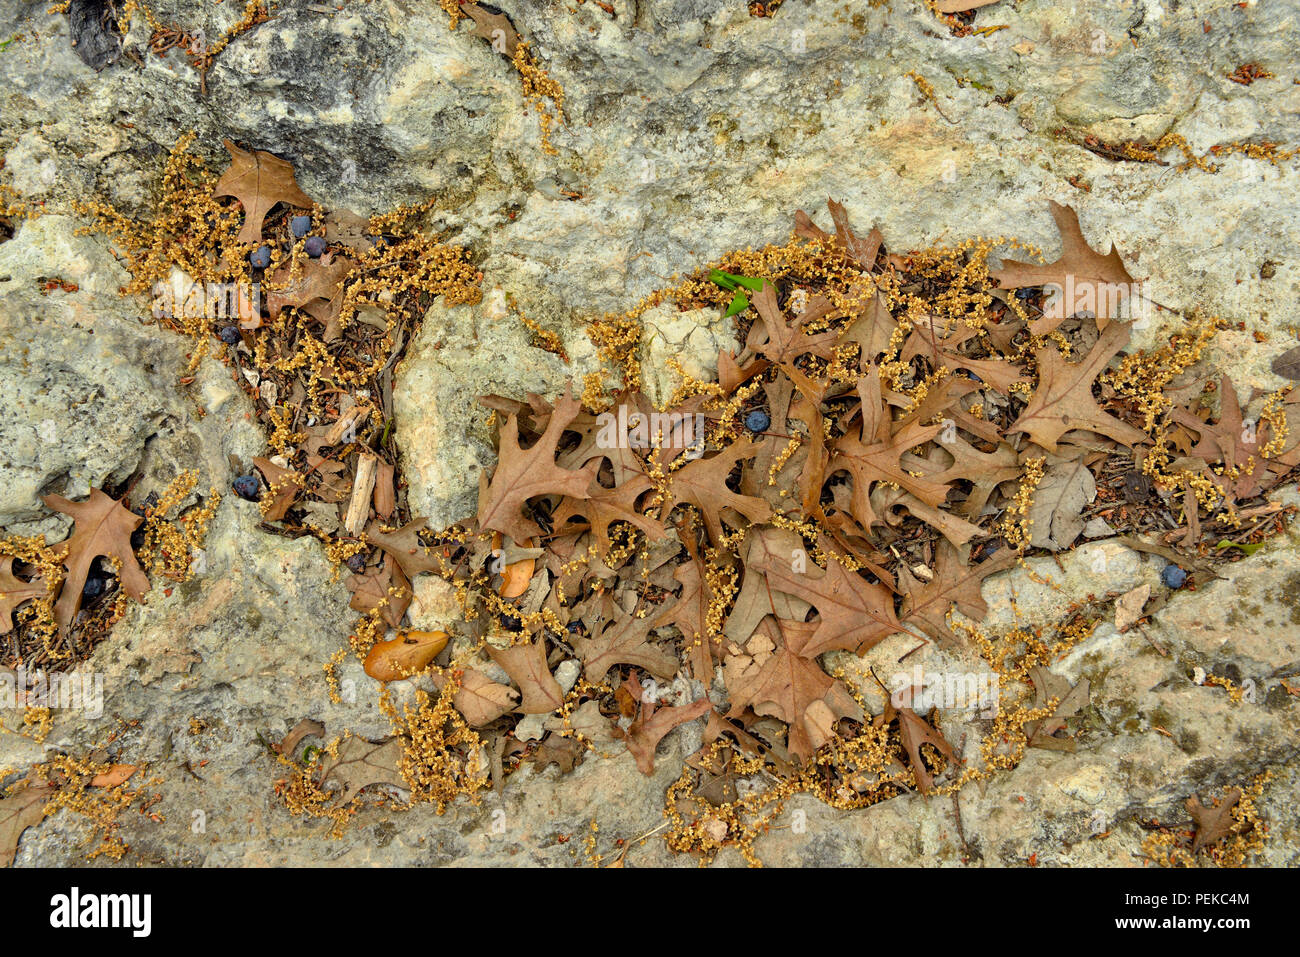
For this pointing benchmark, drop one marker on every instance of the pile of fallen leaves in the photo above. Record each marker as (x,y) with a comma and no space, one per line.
(895,429)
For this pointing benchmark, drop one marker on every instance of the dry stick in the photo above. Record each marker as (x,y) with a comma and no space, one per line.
(359,506)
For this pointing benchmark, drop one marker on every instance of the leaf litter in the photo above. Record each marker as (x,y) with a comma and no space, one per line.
(925,426)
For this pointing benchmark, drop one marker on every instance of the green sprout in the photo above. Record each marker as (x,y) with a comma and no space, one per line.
(731,282)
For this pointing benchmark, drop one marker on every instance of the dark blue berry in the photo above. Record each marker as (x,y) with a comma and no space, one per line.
(1173,576)
(314,246)
(356,563)
(574,627)
(260,257)
(247,487)
(511,623)
(229,335)
(94,587)
(758,421)
(300,226)
(1029,292)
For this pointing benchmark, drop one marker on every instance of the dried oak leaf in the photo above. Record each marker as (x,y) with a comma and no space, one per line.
(758,596)
(861,251)
(604,506)
(496,28)
(1128,610)
(523,474)
(404,546)
(526,665)
(954,583)
(318,289)
(786,341)
(1215,823)
(875,455)
(622,639)
(916,731)
(13,592)
(1070,701)
(18,811)
(361,763)
(689,613)
(480,699)
(854,614)
(1078,266)
(791,686)
(1057,507)
(285,484)
(561,751)
(1230,441)
(103,528)
(373,587)
(703,483)
(651,725)
(258,180)
(1063,399)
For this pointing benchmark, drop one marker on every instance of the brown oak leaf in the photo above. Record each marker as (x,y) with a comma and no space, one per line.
(360,764)
(703,483)
(523,474)
(954,583)
(103,528)
(526,665)
(374,585)
(318,288)
(791,686)
(1215,823)
(916,731)
(623,639)
(496,28)
(14,591)
(1063,399)
(854,614)
(18,811)
(258,180)
(405,547)
(652,724)
(1079,266)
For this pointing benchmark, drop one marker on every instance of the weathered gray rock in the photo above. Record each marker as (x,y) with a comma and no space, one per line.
(692,129)
(84,383)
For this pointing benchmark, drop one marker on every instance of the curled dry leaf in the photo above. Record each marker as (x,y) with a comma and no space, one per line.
(115,775)
(651,725)
(306,728)
(406,655)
